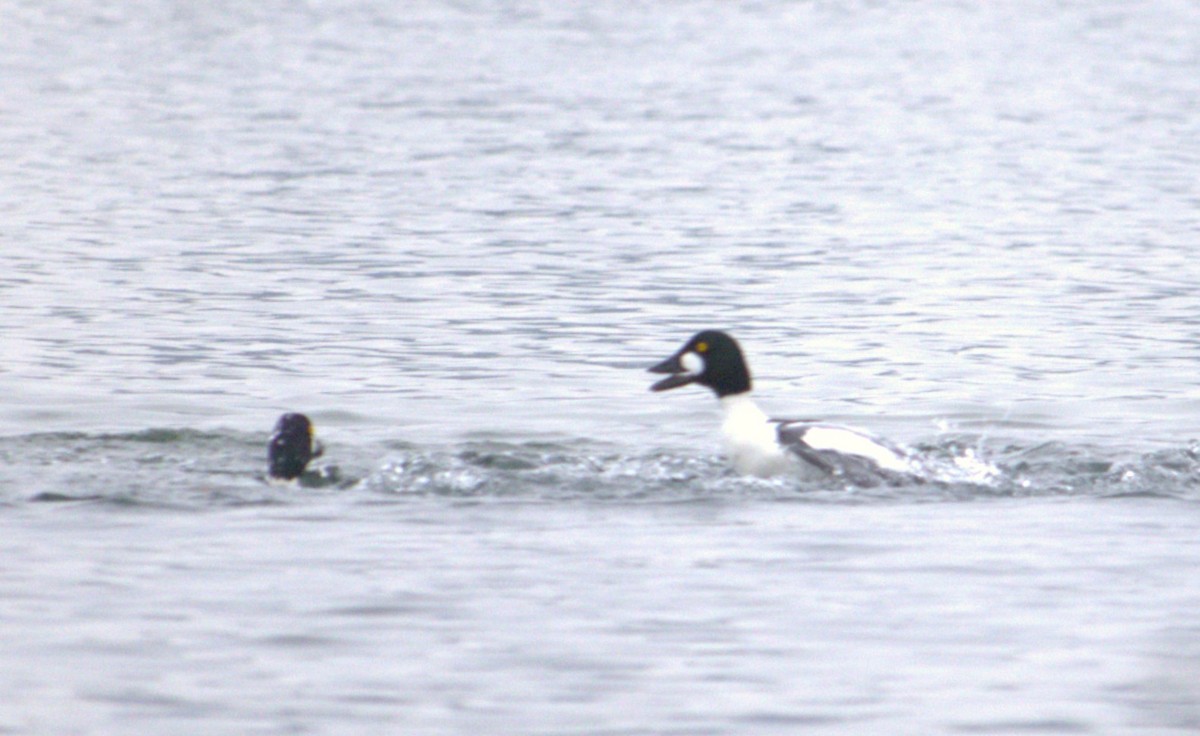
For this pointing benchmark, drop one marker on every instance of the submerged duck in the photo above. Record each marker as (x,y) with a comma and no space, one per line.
(761,446)
(291,447)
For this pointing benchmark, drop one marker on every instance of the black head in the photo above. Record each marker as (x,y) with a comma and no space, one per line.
(291,447)
(711,358)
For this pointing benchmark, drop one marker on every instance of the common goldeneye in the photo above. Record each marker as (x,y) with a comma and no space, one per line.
(291,447)
(761,446)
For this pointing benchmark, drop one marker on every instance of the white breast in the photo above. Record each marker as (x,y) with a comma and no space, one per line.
(751,439)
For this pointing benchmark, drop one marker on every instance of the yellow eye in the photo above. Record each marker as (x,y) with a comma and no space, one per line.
(701,347)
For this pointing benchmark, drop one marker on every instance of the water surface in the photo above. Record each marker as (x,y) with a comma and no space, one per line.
(455,234)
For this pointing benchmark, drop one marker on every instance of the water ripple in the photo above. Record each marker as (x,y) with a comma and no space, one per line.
(179,469)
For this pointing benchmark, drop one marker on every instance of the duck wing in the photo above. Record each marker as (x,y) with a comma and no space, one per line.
(843,452)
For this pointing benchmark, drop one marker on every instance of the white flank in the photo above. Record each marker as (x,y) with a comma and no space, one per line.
(849,442)
(750,438)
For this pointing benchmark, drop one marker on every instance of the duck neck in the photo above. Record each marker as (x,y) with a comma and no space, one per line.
(742,404)
(750,437)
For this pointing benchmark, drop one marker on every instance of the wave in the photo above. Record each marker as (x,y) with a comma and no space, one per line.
(182,468)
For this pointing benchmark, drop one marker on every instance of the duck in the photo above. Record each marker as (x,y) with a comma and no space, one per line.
(760,446)
(291,447)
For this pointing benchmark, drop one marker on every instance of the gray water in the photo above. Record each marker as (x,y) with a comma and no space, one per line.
(455,234)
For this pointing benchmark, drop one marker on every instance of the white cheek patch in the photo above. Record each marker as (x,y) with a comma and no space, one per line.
(692,363)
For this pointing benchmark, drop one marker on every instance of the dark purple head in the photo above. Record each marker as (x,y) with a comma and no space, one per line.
(711,358)
(291,447)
